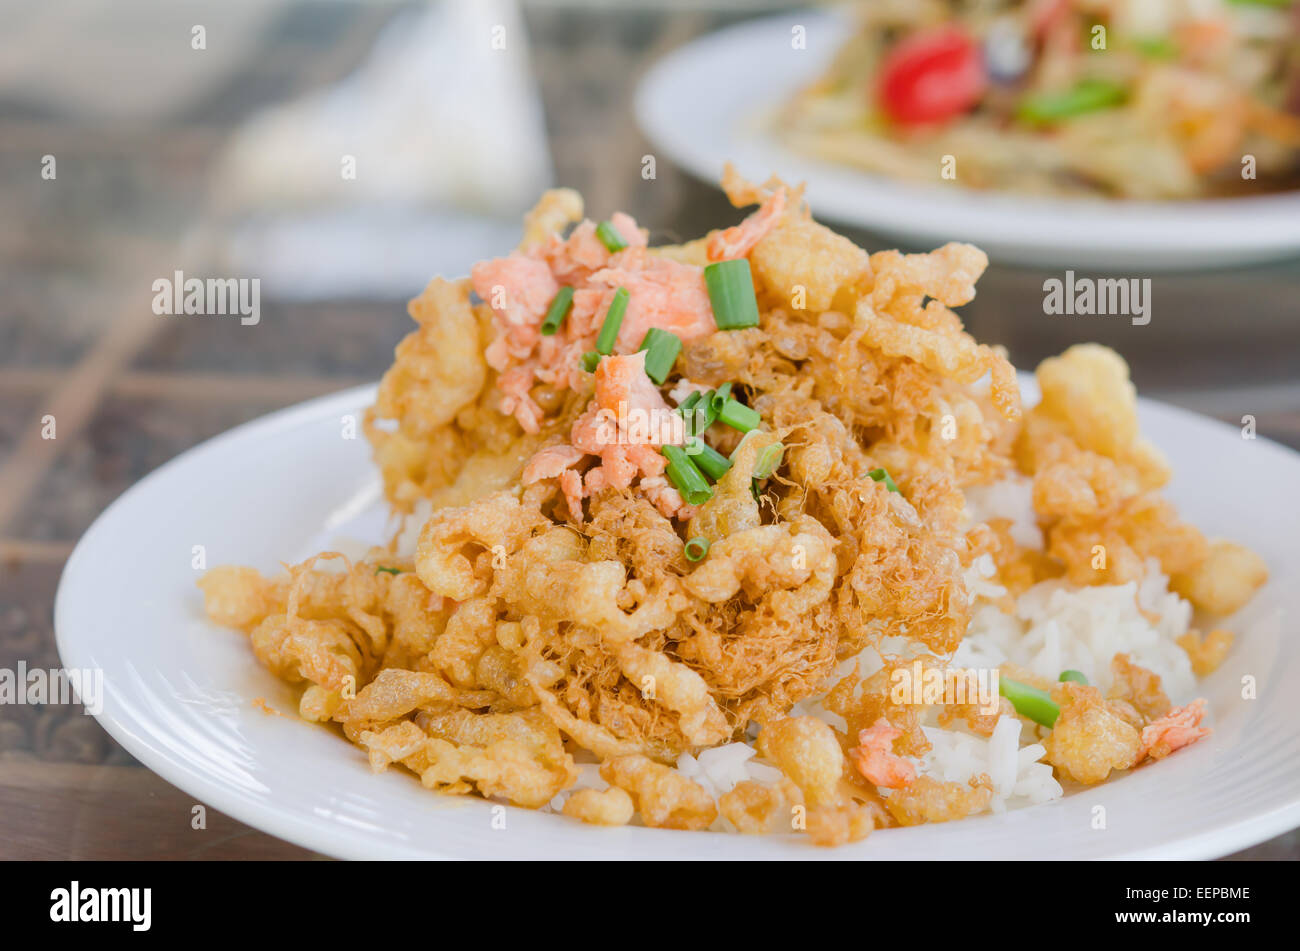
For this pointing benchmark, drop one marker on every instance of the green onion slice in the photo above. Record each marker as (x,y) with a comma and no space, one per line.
(769,457)
(703,409)
(709,461)
(688,404)
(661,349)
(739,416)
(731,291)
(1157,47)
(682,473)
(609,237)
(1029,701)
(882,475)
(1088,95)
(702,415)
(390,571)
(1075,676)
(561,304)
(590,360)
(697,548)
(613,320)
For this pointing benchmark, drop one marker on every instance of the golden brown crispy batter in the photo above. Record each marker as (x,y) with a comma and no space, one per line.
(1018,568)
(906,575)
(1137,686)
(806,751)
(437,371)
(664,797)
(458,545)
(1094,488)
(556,209)
(864,702)
(603,807)
(759,628)
(1090,737)
(831,826)
(1206,652)
(238,596)
(294,649)
(395,692)
(752,807)
(1112,548)
(505,767)
(1226,579)
(929,800)
(804,265)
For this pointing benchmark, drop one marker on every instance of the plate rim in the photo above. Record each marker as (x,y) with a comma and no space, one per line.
(284,825)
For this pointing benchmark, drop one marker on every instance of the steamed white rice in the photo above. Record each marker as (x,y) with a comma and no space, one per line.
(1019,779)
(1057,627)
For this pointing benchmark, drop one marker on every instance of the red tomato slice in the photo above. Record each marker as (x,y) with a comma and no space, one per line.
(931,76)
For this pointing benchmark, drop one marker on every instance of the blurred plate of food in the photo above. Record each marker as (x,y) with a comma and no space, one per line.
(740,547)
(1147,134)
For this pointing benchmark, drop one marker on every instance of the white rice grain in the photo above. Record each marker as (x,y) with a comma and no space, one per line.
(1019,778)
(1059,627)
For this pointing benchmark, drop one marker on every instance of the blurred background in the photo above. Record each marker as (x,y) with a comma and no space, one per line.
(216,138)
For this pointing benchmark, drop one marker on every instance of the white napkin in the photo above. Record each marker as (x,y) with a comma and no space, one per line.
(443,131)
(442,113)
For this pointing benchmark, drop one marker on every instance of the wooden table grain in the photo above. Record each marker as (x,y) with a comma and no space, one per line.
(130,390)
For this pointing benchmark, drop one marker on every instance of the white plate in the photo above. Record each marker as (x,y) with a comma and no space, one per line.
(179,691)
(704,105)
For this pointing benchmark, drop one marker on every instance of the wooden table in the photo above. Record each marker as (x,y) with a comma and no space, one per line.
(130,390)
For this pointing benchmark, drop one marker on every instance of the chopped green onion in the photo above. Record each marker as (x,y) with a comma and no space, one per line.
(753,489)
(731,291)
(391,571)
(661,349)
(702,415)
(710,416)
(561,303)
(1029,701)
(769,457)
(702,409)
(1088,95)
(882,475)
(739,416)
(609,237)
(709,461)
(590,360)
(688,404)
(1157,47)
(697,548)
(1075,676)
(613,320)
(682,473)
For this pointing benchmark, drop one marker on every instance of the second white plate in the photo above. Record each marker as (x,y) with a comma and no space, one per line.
(704,105)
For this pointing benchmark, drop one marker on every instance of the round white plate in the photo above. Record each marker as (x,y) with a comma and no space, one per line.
(705,104)
(179,691)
